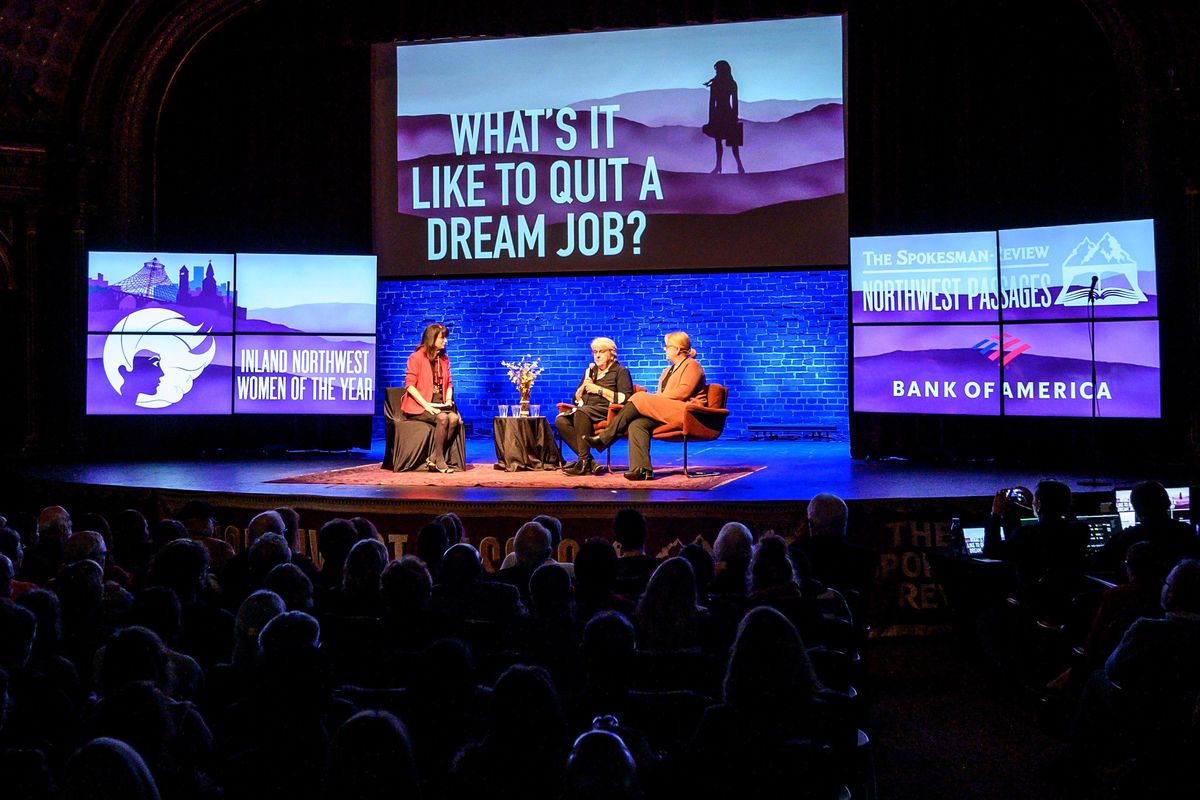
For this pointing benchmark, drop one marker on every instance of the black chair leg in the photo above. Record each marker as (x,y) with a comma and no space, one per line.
(686,474)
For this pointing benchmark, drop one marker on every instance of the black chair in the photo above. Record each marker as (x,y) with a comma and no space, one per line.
(407,444)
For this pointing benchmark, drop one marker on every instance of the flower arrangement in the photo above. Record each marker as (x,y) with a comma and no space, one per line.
(524,372)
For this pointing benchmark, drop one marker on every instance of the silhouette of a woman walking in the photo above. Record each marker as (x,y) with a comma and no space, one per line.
(723,125)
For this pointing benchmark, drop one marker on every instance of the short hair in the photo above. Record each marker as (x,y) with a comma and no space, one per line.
(289,582)
(365,529)
(1146,563)
(84,544)
(334,540)
(461,564)
(10,545)
(596,565)
(364,565)
(604,343)
(288,633)
(129,527)
(609,640)
(291,524)
(265,522)
(554,526)
(550,590)
(827,515)
(629,529)
(1054,498)
(1150,500)
(133,654)
(180,565)
(54,522)
(1181,592)
(268,551)
(532,544)
(405,585)
(733,544)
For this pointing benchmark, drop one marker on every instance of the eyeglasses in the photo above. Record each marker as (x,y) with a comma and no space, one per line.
(670,347)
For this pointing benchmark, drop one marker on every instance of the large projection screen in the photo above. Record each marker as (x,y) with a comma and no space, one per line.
(599,151)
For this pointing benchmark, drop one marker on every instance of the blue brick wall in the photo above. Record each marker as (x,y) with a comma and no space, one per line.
(778,340)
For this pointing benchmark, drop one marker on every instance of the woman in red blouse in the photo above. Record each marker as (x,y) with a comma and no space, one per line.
(430,395)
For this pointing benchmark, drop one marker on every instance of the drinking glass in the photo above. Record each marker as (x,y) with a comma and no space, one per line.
(502,410)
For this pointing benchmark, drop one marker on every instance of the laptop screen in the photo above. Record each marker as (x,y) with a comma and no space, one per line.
(1101,528)
(974,540)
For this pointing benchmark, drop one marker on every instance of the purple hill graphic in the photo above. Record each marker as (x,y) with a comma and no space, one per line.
(689,107)
(329,318)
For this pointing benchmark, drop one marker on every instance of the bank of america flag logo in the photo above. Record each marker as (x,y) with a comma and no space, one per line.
(1007,346)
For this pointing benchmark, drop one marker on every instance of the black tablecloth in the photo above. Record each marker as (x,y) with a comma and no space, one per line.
(525,443)
(408,443)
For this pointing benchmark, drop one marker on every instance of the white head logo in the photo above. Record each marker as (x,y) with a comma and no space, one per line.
(172,340)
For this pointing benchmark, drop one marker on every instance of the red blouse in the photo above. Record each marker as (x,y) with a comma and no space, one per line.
(419,373)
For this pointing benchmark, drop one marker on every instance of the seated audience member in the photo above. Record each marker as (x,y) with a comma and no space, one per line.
(731,552)
(199,519)
(80,590)
(432,544)
(634,566)
(1048,554)
(767,719)
(230,680)
(207,633)
(164,532)
(669,617)
(836,562)
(553,525)
(89,544)
(600,767)
(236,581)
(268,551)
(158,609)
(12,549)
(702,565)
(446,709)
(830,602)
(358,595)
(24,772)
(92,521)
(44,556)
(370,758)
(405,588)
(596,581)
(334,540)
(39,714)
(366,529)
(6,578)
(1121,606)
(549,636)
(452,524)
(289,582)
(532,549)
(46,658)
(1175,539)
(464,595)
(131,546)
(108,769)
(773,583)
(521,755)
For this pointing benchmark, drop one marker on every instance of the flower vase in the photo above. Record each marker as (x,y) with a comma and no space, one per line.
(525,401)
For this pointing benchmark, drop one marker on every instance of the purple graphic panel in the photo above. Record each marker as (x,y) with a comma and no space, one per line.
(304,375)
(197,287)
(152,374)
(926,369)
(1052,376)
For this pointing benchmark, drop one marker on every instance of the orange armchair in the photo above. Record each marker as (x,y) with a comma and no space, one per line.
(700,424)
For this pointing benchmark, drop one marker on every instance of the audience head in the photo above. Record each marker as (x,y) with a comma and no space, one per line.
(181,566)
(80,588)
(166,531)
(733,546)
(702,565)
(771,566)
(268,551)
(130,533)
(85,545)
(198,518)
(629,530)
(265,522)
(91,521)
(108,769)
(17,628)
(431,546)
(608,645)
(452,524)
(289,582)
(364,565)
(1150,501)
(769,673)
(45,607)
(550,592)
(1144,563)
(600,767)
(334,541)
(554,526)
(461,565)
(133,654)
(137,713)
(667,612)
(531,545)
(596,567)
(365,529)
(827,515)
(1181,592)
(6,577)
(291,525)
(157,608)
(253,615)
(405,587)
(525,711)
(287,634)
(1051,499)
(371,758)
(11,546)
(54,525)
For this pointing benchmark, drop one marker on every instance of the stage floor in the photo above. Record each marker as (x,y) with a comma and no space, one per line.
(794,472)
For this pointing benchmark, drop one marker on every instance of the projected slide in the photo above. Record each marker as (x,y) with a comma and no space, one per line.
(705,146)
(247,334)
(935,277)
(1049,271)
(197,286)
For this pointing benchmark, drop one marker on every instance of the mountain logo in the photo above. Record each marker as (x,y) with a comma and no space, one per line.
(1115,269)
(160,351)
(993,347)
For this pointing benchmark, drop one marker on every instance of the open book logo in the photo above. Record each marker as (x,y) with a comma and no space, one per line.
(1116,273)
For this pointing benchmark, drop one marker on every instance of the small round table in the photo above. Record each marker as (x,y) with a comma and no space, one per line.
(525,443)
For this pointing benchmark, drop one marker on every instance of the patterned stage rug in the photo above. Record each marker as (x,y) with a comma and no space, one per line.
(485,476)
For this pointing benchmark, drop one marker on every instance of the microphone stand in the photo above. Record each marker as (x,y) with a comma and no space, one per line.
(1093,445)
